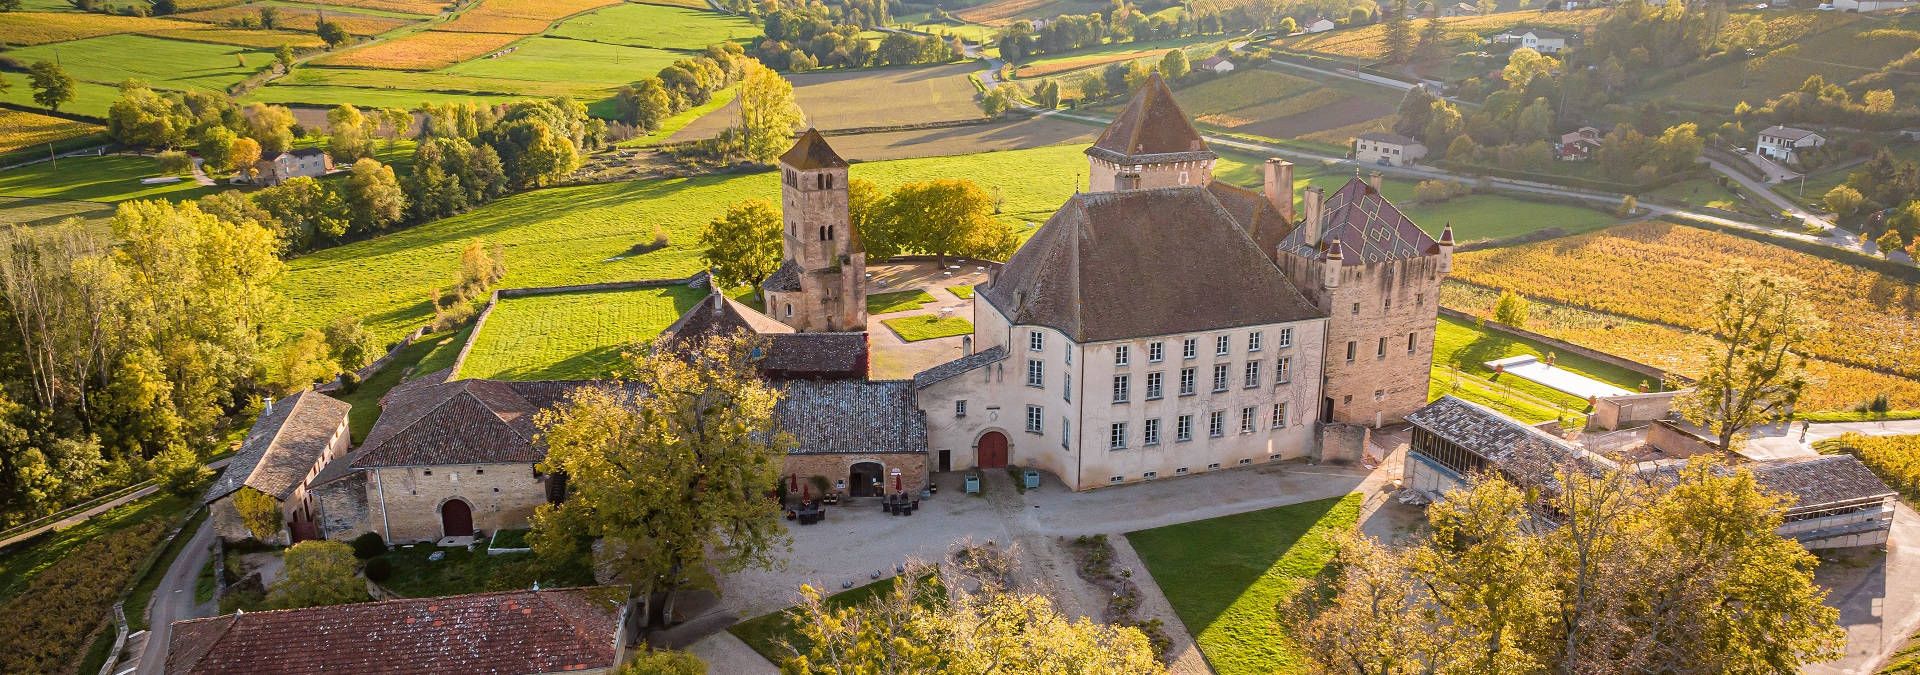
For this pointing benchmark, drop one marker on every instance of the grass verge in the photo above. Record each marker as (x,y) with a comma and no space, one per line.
(897,301)
(928,327)
(136,606)
(463,571)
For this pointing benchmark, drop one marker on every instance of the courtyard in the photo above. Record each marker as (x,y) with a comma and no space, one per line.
(918,314)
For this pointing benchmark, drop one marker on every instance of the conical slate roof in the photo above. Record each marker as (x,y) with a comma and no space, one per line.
(812,152)
(1151,129)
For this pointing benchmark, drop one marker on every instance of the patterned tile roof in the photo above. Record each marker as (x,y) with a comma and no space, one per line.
(1117,265)
(816,355)
(546,631)
(283,446)
(784,280)
(955,368)
(812,152)
(1528,456)
(1151,129)
(1822,481)
(1368,227)
(459,422)
(851,417)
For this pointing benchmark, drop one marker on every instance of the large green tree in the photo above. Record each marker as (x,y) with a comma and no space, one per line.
(743,245)
(317,573)
(768,115)
(1756,373)
(144,119)
(948,216)
(52,86)
(372,196)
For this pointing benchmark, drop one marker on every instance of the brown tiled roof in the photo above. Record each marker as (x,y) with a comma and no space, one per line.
(1250,208)
(1135,263)
(721,315)
(508,632)
(283,445)
(851,417)
(1821,481)
(786,279)
(817,355)
(1152,128)
(1370,229)
(1527,456)
(812,152)
(459,422)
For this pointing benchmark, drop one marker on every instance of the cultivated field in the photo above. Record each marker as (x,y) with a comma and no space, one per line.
(240,37)
(1004,12)
(23,129)
(657,26)
(1369,42)
(574,335)
(1272,104)
(1033,132)
(545,59)
(304,18)
(1836,46)
(425,50)
(525,17)
(419,7)
(100,64)
(1054,64)
(33,28)
(845,99)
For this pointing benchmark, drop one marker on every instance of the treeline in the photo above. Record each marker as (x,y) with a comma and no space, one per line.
(1818,102)
(802,39)
(687,83)
(1882,199)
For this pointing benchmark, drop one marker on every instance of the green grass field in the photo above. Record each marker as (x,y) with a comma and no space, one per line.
(1225,576)
(897,301)
(574,335)
(578,61)
(928,327)
(463,571)
(109,178)
(963,291)
(657,26)
(34,212)
(1462,345)
(102,63)
(1836,46)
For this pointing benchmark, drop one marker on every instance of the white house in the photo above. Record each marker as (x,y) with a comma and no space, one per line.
(1537,39)
(1376,147)
(1320,26)
(1870,5)
(308,162)
(1215,64)
(1786,143)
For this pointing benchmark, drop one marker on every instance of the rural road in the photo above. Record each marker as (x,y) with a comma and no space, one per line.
(173,600)
(95,510)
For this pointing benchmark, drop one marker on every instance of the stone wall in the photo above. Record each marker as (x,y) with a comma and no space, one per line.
(1632,410)
(1676,442)
(405,501)
(1342,443)
(1103,176)
(1374,303)
(341,507)
(1654,375)
(836,467)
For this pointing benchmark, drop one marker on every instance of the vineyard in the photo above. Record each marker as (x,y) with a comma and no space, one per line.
(48,623)
(34,28)
(1895,458)
(1370,41)
(22,129)
(303,19)
(425,50)
(421,7)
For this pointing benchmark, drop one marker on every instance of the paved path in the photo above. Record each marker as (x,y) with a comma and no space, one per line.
(174,599)
(95,510)
(1783,441)
(1878,596)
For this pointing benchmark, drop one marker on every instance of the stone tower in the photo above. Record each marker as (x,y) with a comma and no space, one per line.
(1377,277)
(1150,145)
(820,286)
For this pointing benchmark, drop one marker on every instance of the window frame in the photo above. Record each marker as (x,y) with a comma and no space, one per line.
(1216,424)
(1036,419)
(1117,436)
(1036,373)
(1220,373)
(1122,388)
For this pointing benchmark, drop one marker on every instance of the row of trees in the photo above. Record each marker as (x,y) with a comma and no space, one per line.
(687,83)
(1126,21)
(939,217)
(820,36)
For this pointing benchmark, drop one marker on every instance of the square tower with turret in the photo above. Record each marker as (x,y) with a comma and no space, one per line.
(1150,145)
(821,284)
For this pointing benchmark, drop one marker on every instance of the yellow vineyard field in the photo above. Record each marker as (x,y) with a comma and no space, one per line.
(425,50)
(239,37)
(421,7)
(21,129)
(522,17)
(1370,41)
(20,29)
(303,19)
(1655,271)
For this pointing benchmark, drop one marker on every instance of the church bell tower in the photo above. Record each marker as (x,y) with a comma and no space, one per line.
(821,284)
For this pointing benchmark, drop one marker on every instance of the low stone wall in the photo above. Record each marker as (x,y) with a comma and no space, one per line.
(1677,442)
(1342,443)
(1657,374)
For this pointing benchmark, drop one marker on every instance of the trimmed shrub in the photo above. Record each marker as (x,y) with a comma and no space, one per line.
(378,569)
(369,545)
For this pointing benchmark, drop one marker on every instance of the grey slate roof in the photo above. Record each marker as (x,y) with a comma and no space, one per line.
(1789,133)
(1369,228)
(957,367)
(283,445)
(1151,129)
(1528,456)
(1384,137)
(1258,217)
(851,417)
(1136,263)
(459,422)
(721,315)
(812,152)
(1821,481)
(817,355)
(786,279)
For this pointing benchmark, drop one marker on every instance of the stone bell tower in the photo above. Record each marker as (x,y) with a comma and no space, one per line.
(821,284)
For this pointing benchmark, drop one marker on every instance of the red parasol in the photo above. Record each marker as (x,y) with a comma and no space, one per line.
(793,482)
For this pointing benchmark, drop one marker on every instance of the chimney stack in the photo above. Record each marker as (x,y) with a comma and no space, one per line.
(1374,180)
(1277,183)
(1310,207)
(1330,271)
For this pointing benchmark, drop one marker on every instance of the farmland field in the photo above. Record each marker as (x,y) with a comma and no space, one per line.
(546,59)
(33,28)
(845,100)
(1004,12)
(518,16)
(1840,48)
(112,178)
(20,129)
(303,18)
(102,63)
(418,7)
(259,39)
(32,212)
(1271,104)
(425,50)
(656,26)
(1053,64)
(571,336)
(1369,42)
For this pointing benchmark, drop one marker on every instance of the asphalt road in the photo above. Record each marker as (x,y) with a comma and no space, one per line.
(173,600)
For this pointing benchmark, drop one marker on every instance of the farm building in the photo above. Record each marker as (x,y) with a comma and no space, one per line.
(1215,64)
(289,444)
(1319,26)
(1578,145)
(1537,39)
(1786,143)
(1376,147)
(307,162)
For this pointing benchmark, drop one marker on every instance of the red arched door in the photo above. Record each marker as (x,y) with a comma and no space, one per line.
(992,450)
(456,518)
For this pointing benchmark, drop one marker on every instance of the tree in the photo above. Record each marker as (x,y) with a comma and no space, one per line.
(144,119)
(394,124)
(179,468)
(1524,64)
(305,360)
(1399,33)
(1433,39)
(864,201)
(10,5)
(1443,125)
(1289,26)
(674,482)
(1047,95)
(284,55)
(481,267)
(1755,375)
(216,150)
(768,115)
(318,573)
(51,84)
(372,196)
(333,34)
(1092,87)
(304,210)
(941,217)
(348,136)
(663,662)
(1001,99)
(269,17)
(644,103)
(535,151)
(244,156)
(349,343)
(743,246)
(1174,65)
(1889,241)
(271,126)
(1416,109)
(1844,200)
(1357,619)
(259,511)
(1878,101)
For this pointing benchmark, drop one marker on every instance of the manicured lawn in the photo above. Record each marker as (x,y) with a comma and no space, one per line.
(574,335)
(766,633)
(658,27)
(509,539)
(463,571)
(109,178)
(897,301)
(963,291)
(928,327)
(1225,577)
(1462,345)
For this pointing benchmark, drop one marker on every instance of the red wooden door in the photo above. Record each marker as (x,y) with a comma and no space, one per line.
(992,450)
(456,518)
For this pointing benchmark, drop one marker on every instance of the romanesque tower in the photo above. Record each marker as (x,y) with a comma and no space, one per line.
(820,286)
(1150,145)
(1377,277)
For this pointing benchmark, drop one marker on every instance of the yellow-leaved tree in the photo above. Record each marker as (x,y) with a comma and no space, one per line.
(259,511)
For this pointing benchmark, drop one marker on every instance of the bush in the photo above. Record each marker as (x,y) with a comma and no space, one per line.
(175,163)
(349,382)
(369,545)
(378,569)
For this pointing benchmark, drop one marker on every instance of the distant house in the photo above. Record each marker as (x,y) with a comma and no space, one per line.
(1578,145)
(1870,5)
(1459,9)
(1376,147)
(1215,64)
(291,442)
(309,162)
(1538,39)
(1320,26)
(1786,143)
(572,630)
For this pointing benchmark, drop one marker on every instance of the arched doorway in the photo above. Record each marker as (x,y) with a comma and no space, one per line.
(992,450)
(456,519)
(863,480)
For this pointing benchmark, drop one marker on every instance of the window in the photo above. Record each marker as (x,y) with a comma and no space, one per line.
(1186,381)
(1182,471)
(1036,341)
(1386,304)
(1189,348)
(1183,428)
(1222,345)
(1410,343)
(1153,386)
(1419,299)
(1156,352)
(1117,437)
(1150,431)
(1381,351)
(1245,461)
(1213,466)
(1219,377)
(1246,419)
(1066,388)
(1150,475)
(1217,423)
(1379,394)
(1350,347)
(1356,308)
(1283,370)
(960,408)
(1279,420)
(1253,341)
(1120,388)
(1121,354)
(1066,431)
(1253,374)
(1069,351)
(1286,337)
(1116,479)
(1033,419)
(789,310)
(1037,371)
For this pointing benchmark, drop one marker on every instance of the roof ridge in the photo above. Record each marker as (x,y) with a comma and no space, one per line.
(298,397)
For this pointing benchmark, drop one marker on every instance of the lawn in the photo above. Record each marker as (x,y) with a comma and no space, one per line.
(897,301)
(109,178)
(36,212)
(102,63)
(1225,577)
(366,398)
(463,571)
(572,336)
(963,291)
(1461,345)
(928,327)
(656,26)
(766,633)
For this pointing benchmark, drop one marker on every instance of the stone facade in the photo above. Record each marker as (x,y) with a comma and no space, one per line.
(340,506)
(838,469)
(1107,176)
(1379,334)
(822,284)
(405,502)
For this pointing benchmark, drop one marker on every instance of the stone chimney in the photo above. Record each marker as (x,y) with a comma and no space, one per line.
(1310,200)
(1374,180)
(1330,270)
(1277,184)
(966,345)
(1446,250)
